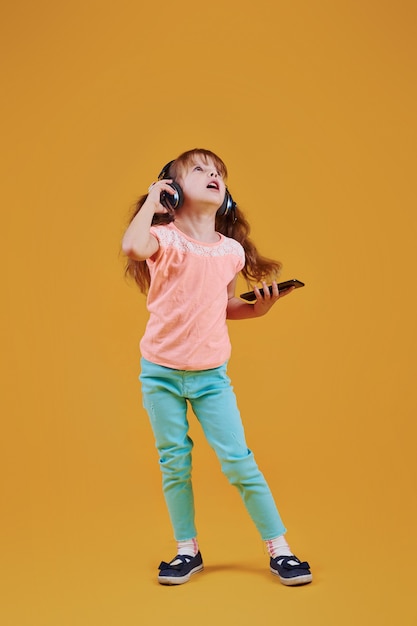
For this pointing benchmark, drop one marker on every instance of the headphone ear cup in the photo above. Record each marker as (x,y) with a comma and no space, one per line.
(227,205)
(175,200)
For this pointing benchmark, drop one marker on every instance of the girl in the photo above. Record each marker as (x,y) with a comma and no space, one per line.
(188,258)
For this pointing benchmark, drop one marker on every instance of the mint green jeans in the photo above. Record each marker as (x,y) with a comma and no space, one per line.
(166,392)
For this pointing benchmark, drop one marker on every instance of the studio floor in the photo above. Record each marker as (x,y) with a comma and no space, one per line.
(98,564)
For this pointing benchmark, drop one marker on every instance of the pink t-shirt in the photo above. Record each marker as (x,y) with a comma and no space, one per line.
(187,300)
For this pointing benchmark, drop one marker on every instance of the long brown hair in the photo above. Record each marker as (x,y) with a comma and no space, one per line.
(257,267)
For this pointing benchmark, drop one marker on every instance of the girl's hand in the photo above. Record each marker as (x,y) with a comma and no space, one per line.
(266,300)
(154,195)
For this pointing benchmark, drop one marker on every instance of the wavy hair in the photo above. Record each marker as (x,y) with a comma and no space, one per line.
(257,267)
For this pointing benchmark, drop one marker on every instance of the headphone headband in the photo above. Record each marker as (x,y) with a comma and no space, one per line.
(164,171)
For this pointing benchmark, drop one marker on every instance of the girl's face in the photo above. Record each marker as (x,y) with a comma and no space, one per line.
(202,182)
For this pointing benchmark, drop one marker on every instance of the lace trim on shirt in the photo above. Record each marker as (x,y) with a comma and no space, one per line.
(174,239)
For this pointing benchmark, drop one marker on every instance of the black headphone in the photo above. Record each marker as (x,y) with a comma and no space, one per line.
(175,200)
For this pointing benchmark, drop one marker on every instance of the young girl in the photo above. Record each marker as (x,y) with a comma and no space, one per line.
(188,258)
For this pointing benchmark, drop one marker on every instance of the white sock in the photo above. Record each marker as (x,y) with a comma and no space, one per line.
(189,547)
(278,547)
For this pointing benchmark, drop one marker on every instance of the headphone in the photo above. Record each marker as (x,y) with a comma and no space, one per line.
(175,200)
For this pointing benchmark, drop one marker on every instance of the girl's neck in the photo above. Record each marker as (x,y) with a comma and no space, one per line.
(198,227)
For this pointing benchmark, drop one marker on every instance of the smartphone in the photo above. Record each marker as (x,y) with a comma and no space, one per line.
(287,284)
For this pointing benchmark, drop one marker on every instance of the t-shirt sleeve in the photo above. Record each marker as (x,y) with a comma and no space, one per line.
(156,232)
(240,258)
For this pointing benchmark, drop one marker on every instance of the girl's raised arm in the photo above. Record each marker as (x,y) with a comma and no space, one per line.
(138,243)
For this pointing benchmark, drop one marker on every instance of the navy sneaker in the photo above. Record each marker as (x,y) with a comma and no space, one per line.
(291,571)
(179,570)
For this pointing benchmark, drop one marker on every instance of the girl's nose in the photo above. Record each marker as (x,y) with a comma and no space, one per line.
(213,173)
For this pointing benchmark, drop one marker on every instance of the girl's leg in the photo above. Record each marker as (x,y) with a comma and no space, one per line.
(214,404)
(167,410)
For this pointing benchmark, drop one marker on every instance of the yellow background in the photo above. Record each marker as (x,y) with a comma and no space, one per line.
(312,105)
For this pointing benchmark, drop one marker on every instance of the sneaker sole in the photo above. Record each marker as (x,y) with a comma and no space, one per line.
(179,580)
(295,580)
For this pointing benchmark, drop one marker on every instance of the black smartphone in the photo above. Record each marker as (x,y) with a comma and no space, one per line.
(287,284)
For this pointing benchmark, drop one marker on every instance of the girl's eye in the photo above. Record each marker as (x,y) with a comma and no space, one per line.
(198,168)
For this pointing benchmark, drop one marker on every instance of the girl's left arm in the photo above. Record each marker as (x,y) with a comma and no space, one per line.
(239,310)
